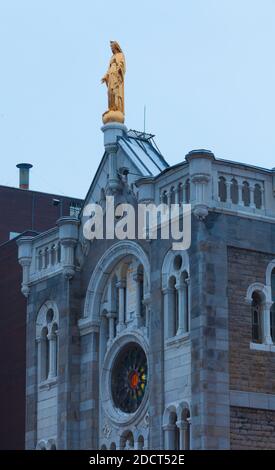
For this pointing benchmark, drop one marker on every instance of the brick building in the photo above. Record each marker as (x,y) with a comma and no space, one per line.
(23,212)
(132,344)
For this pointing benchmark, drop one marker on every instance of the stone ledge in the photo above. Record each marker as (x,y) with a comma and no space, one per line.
(176,340)
(262,347)
(263,401)
(47,384)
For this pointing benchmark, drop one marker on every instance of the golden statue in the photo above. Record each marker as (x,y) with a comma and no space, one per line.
(114,80)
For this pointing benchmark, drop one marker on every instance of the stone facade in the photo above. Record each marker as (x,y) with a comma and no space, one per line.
(199,375)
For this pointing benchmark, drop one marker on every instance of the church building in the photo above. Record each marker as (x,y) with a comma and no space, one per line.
(132,344)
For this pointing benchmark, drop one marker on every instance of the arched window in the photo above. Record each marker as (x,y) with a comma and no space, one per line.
(175,288)
(47,342)
(222,189)
(103,447)
(44,355)
(47,257)
(50,315)
(140,442)
(54,351)
(172,195)
(53,254)
(273,285)
(186,434)
(58,253)
(40,260)
(234,191)
(127,441)
(140,306)
(175,431)
(272,323)
(184,302)
(177,428)
(41,445)
(164,197)
(102,195)
(246,193)
(187,191)
(180,193)
(256,313)
(114,302)
(258,196)
(174,306)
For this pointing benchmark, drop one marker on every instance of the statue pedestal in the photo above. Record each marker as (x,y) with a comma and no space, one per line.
(113,116)
(111,131)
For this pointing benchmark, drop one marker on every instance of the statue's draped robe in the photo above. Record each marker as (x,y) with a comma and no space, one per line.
(115,82)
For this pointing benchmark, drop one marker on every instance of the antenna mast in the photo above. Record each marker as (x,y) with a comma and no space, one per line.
(144,119)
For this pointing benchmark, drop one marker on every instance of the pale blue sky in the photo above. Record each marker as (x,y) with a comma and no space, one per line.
(204,68)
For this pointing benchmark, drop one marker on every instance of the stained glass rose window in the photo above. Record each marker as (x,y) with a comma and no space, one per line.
(129,378)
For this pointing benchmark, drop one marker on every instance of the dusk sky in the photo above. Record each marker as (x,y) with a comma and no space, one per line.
(205,70)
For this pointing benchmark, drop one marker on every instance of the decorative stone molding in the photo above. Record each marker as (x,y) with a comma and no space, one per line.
(107,430)
(146,421)
(68,235)
(269,270)
(200,182)
(200,169)
(87,326)
(24,258)
(257,287)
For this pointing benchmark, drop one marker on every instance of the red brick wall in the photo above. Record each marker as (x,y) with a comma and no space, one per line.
(252,429)
(28,210)
(12,350)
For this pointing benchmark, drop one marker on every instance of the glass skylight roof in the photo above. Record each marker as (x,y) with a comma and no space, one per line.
(144,154)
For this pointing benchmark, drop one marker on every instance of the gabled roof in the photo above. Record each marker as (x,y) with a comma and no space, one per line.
(143,151)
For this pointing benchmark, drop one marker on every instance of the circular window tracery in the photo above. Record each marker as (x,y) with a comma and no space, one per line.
(129,378)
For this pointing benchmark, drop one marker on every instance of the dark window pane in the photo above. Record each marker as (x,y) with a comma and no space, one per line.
(234,192)
(258,196)
(246,194)
(172,195)
(272,323)
(222,189)
(273,285)
(256,311)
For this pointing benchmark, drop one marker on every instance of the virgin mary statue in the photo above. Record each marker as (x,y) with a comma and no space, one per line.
(114,79)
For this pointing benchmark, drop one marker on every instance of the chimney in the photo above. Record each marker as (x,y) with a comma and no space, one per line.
(24,173)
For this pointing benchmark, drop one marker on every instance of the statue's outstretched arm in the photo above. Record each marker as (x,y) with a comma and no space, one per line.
(105,79)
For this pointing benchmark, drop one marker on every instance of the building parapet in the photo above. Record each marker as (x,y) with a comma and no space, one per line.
(211,184)
(48,254)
